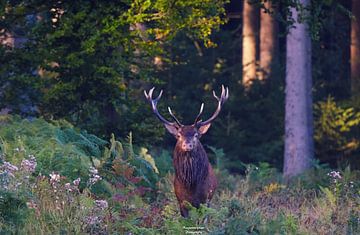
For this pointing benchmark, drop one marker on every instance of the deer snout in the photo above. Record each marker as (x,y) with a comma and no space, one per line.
(187,146)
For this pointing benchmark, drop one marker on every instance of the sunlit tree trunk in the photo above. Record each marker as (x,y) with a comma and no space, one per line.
(298,100)
(249,33)
(355,48)
(268,40)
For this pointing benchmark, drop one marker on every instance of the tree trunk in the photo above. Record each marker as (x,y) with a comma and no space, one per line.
(268,40)
(298,100)
(355,48)
(249,33)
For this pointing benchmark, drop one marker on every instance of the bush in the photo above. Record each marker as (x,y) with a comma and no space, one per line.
(125,190)
(336,132)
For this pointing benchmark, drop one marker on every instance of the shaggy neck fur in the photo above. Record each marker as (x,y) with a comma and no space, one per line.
(191,168)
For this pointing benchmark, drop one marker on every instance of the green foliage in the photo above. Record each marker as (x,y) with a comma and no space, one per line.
(126,163)
(87,61)
(164,162)
(220,160)
(57,147)
(262,174)
(13,211)
(196,18)
(315,14)
(135,195)
(335,130)
(250,126)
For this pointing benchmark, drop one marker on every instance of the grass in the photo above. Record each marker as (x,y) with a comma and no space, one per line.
(121,189)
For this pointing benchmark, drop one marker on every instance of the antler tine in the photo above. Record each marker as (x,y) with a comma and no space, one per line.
(173,116)
(224,92)
(159,96)
(146,95)
(223,97)
(214,94)
(200,112)
(154,102)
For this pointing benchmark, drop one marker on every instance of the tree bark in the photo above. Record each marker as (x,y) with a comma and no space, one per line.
(249,33)
(299,144)
(268,41)
(355,48)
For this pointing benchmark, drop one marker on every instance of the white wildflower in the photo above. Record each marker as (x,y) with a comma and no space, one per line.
(93,220)
(9,167)
(335,175)
(77,182)
(68,187)
(54,177)
(31,205)
(93,170)
(29,165)
(102,204)
(94,177)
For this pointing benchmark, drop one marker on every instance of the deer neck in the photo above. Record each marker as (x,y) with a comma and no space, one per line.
(191,167)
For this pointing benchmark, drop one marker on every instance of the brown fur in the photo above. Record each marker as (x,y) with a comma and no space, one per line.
(195,181)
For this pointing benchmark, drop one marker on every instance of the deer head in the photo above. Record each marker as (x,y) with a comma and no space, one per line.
(187,135)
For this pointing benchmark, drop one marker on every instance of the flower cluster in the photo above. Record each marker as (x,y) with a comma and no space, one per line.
(9,168)
(335,175)
(74,186)
(54,178)
(101,204)
(93,220)
(94,176)
(96,220)
(29,165)
(77,182)
(7,173)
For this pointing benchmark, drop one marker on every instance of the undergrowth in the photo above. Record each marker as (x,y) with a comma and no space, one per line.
(56,179)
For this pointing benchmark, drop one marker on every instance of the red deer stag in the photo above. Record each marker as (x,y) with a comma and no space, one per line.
(195,181)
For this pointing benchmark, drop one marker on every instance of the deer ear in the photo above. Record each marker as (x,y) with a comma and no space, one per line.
(204,129)
(173,129)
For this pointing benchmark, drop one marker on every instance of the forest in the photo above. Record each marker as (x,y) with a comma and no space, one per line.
(100,124)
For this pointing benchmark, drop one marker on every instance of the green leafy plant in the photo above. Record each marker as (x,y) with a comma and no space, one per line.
(123,190)
(335,130)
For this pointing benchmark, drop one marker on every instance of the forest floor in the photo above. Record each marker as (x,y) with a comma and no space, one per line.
(56,179)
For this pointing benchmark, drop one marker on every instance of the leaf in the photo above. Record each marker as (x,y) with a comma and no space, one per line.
(329,195)
(144,154)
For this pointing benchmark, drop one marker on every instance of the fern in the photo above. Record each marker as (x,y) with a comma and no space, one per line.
(57,146)
(330,196)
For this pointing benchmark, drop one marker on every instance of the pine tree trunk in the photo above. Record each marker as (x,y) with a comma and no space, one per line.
(268,41)
(355,48)
(298,100)
(249,33)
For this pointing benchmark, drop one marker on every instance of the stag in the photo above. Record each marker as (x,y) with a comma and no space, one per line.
(194,181)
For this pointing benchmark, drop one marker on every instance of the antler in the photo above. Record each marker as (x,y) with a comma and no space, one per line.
(155,110)
(224,96)
(197,119)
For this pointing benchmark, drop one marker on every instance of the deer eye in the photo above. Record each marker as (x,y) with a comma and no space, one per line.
(178,135)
